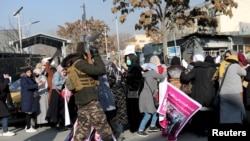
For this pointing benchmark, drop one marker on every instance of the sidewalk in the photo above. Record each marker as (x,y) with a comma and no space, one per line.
(42,134)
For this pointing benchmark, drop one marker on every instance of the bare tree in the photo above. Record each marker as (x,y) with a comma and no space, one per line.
(74,31)
(8,35)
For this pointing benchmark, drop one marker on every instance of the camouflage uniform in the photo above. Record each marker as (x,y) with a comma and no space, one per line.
(90,112)
(91,115)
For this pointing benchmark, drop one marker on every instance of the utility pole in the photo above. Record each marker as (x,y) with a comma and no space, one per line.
(106,43)
(17,13)
(118,45)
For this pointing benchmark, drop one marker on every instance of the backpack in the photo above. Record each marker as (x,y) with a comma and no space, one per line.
(77,80)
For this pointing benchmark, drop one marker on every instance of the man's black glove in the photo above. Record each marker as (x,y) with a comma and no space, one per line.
(93,51)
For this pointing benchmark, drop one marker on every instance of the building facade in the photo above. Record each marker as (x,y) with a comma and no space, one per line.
(139,41)
(231,33)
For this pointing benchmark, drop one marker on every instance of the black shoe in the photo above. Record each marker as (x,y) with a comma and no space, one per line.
(153,129)
(142,133)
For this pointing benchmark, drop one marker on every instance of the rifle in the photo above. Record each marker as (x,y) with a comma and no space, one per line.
(87,38)
(57,53)
(87,41)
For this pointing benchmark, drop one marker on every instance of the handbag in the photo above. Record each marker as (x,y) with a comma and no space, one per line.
(216,99)
(155,95)
(132,94)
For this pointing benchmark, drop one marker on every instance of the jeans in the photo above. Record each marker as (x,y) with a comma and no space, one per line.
(145,120)
(5,124)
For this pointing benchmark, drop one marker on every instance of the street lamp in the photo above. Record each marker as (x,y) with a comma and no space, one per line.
(27,25)
(17,14)
(117,34)
(30,23)
(106,42)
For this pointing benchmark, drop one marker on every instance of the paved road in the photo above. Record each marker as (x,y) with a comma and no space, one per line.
(48,134)
(187,136)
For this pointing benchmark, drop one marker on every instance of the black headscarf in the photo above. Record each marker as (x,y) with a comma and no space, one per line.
(175,61)
(209,59)
(134,59)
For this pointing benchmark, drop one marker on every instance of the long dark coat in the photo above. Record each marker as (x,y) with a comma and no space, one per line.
(203,91)
(29,103)
(117,85)
(4,89)
(203,88)
(134,82)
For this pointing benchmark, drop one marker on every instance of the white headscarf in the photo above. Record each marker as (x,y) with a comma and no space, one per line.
(37,71)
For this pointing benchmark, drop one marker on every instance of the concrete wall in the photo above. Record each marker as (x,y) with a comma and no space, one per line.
(240,14)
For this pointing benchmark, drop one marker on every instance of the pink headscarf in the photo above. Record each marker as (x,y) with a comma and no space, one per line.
(242,59)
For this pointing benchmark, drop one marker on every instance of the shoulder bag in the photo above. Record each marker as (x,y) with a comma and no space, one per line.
(155,94)
(216,100)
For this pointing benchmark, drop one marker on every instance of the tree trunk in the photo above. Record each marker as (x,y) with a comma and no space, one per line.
(165,43)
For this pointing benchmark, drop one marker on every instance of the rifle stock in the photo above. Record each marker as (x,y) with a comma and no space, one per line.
(88,39)
(57,53)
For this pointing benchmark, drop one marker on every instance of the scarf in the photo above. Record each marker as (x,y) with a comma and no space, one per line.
(225,63)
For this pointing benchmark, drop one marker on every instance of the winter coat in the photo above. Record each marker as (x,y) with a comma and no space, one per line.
(4,89)
(29,101)
(233,80)
(58,81)
(174,72)
(146,102)
(134,79)
(203,88)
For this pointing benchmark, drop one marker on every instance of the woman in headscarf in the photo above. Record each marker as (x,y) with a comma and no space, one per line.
(29,98)
(147,105)
(134,82)
(230,98)
(174,72)
(203,91)
(106,96)
(43,96)
(4,111)
(55,113)
(156,61)
(116,82)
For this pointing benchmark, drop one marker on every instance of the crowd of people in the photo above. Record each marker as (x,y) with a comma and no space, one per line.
(112,99)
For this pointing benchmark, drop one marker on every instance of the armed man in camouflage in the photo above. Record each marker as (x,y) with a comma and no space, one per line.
(90,112)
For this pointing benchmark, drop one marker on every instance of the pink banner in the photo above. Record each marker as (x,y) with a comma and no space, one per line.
(178,108)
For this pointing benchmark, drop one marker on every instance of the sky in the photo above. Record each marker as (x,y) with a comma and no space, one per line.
(51,13)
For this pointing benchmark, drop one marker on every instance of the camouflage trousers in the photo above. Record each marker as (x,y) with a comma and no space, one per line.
(89,115)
